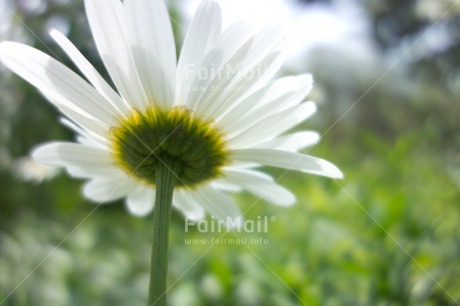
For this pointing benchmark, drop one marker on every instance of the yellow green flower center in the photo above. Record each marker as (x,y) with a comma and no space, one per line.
(195,147)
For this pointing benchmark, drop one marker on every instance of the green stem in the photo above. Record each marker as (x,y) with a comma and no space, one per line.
(165,179)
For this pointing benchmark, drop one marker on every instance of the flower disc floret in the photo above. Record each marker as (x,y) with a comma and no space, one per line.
(195,148)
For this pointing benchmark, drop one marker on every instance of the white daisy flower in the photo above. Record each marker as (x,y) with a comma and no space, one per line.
(215,116)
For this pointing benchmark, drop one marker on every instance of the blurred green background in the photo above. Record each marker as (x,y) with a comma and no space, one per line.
(388,234)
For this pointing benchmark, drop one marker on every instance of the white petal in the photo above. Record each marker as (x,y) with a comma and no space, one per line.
(219,205)
(265,42)
(269,41)
(226,47)
(108,21)
(56,80)
(203,97)
(188,205)
(93,171)
(106,189)
(271,126)
(271,70)
(202,34)
(259,186)
(92,125)
(288,160)
(71,154)
(248,175)
(239,86)
(238,166)
(282,94)
(154,48)
(86,141)
(287,92)
(292,142)
(225,186)
(90,72)
(209,69)
(272,193)
(233,38)
(140,201)
(70,124)
(241,109)
(89,138)
(89,123)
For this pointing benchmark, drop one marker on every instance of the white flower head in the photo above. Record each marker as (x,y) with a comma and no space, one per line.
(216,114)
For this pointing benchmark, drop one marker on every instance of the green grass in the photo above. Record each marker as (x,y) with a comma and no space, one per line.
(388,234)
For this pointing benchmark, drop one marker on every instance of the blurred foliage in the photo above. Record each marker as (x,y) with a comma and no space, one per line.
(389,234)
(397,24)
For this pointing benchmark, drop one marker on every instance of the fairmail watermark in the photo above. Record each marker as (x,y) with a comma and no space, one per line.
(212,225)
(227,241)
(214,71)
(227,78)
